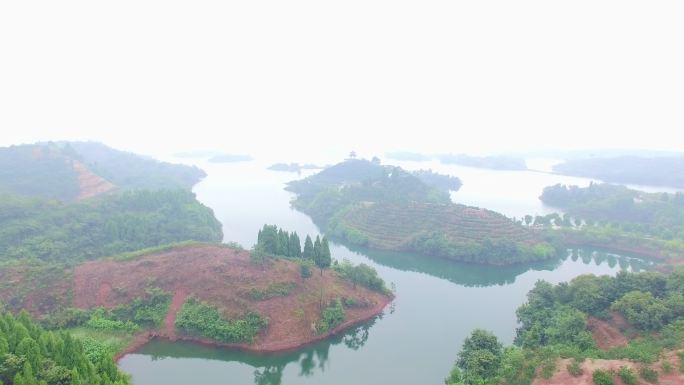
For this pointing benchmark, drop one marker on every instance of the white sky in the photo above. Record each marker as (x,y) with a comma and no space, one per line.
(330,76)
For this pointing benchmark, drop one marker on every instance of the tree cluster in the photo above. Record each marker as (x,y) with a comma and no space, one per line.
(30,355)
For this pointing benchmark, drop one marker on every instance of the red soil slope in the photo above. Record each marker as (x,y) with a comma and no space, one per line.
(562,377)
(90,184)
(224,277)
(607,335)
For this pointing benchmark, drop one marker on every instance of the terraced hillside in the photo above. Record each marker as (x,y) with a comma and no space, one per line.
(387,208)
(447,230)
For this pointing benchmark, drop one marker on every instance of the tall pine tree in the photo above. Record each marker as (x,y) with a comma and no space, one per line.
(308,252)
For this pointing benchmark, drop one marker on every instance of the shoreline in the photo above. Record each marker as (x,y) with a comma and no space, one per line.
(144,338)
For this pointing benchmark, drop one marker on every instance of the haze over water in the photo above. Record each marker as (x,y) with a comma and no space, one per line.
(438,302)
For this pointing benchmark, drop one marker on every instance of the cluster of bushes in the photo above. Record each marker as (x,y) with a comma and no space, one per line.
(331,317)
(361,274)
(203,320)
(147,311)
(489,251)
(103,226)
(279,289)
(30,355)
(553,324)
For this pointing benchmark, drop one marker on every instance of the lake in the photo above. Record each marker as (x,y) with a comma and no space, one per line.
(418,337)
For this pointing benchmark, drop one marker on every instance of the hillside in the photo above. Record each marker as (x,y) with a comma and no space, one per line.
(387,208)
(628,329)
(36,229)
(653,171)
(451,231)
(70,171)
(160,294)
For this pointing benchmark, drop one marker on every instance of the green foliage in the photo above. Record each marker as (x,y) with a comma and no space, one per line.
(652,171)
(279,289)
(131,171)
(622,211)
(361,274)
(108,225)
(648,374)
(574,368)
(322,257)
(273,240)
(331,317)
(681,361)
(203,320)
(667,367)
(38,170)
(627,375)
(642,310)
(602,377)
(480,358)
(305,267)
(439,181)
(308,252)
(36,356)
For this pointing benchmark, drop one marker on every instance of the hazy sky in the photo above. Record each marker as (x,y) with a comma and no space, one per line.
(330,76)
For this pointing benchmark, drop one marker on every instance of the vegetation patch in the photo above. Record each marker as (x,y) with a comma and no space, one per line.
(203,320)
(331,317)
(279,289)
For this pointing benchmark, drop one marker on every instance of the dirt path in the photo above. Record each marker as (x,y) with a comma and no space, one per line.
(178,300)
(605,335)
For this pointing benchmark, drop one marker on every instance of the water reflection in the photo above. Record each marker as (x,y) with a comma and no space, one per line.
(269,368)
(474,275)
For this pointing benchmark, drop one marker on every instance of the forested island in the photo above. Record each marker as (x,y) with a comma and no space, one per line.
(599,330)
(641,170)
(494,162)
(618,218)
(387,208)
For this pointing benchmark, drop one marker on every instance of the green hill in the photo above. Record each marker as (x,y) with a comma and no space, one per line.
(69,171)
(387,208)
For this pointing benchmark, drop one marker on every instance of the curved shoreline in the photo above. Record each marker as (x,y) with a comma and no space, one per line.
(142,339)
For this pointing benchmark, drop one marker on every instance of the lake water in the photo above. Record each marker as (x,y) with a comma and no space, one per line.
(438,302)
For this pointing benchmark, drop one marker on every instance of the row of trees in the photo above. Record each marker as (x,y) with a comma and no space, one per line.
(274,241)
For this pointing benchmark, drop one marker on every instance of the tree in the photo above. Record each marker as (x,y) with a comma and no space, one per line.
(643,310)
(352,155)
(295,246)
(322,257)
(308,252)
(258,256)
(528,219)
(480,358)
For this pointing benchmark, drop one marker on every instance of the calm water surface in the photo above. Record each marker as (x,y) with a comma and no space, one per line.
(438,302)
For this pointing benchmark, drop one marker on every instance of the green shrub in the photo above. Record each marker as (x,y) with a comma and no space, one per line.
(331,317)
(305,269)
(201,319)
(602,377)
(627,375)
(681,361)
(667,367)
(649,374)
(279,289)
(574,368)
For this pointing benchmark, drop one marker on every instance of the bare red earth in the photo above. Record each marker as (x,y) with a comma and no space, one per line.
(177,302)
(224,277)
(90,184)
(605,335)
(563,377)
